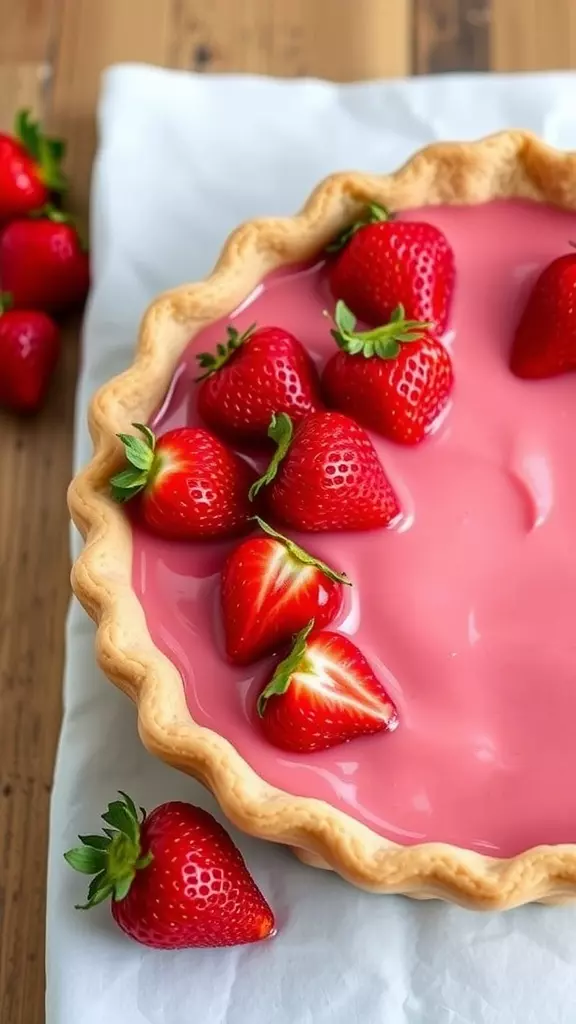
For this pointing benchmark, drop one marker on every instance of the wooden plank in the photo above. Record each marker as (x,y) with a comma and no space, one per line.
(34,468)
(93,35)
(451,35)
(35,458)
(334,39)
(21,85)
(27,29)
(533,35)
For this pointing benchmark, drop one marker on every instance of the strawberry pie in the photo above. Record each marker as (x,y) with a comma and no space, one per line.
(328,526)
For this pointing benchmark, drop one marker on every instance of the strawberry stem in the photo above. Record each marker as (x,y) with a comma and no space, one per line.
(211,363)
(383,342)
(280,431)
(47,152)
(142,464)
(285,669)
(51,212)
(301,555)
(114,857)
(373,214)
(6,302)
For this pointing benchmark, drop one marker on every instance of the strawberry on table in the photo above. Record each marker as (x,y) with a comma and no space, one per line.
(395,379)
(29,168)
(29,349)
(270,589)
(43,263)
(381,263)
(326,475)
(324,693)
(545,339)
(263,371)
(191,486)
(175,877)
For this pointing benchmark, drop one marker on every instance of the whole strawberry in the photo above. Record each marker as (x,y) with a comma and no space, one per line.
(326,475)
(384,263)
(545,339)
(42,262)
(258,373)
(324,693)
(191,486)
(29,168)
(29,349)
(395,379)
(270,589)
(175,877)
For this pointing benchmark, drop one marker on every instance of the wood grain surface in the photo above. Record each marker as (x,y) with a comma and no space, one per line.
(51,55)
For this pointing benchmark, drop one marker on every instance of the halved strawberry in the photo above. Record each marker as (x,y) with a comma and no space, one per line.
(270,589)
(263,371)
(191,486)
(324,693)
(395,379)
(326,475)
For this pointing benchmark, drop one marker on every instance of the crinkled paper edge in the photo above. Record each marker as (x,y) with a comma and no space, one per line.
(510,164)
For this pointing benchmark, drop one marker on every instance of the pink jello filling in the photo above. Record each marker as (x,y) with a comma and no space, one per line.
(467,610)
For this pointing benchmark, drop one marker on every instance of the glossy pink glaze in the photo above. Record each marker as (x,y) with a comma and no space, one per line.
(467,610)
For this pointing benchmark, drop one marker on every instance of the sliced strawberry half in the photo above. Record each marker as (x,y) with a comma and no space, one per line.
(324,693)
(270,589)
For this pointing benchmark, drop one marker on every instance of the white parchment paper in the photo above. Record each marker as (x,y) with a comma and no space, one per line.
(182,160)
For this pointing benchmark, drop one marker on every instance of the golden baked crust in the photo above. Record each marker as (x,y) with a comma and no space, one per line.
(509,164)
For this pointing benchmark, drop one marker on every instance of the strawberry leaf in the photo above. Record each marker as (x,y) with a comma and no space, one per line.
(45,151)
(383,342)
(373,214)
(119,816)
(344,318)
(83,859)
(139,453)
(113,858)
(301,555)
(285,669)
(122,886)
(127,484)
(95,842)
(280,431)
(131,805)
(212,363)
(98,891)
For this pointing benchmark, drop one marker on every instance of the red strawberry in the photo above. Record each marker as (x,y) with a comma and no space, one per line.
(256,374)
(545,339)
(192,486)
(175,878)
(385,263)
(271,588)
(326,476)
(29,349)
(29,168)
(322,694)
(42,262)
(394,379)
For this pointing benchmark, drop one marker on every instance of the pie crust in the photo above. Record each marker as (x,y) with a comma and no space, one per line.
(507,165)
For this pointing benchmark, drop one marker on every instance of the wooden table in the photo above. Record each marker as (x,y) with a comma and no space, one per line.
(51,56)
